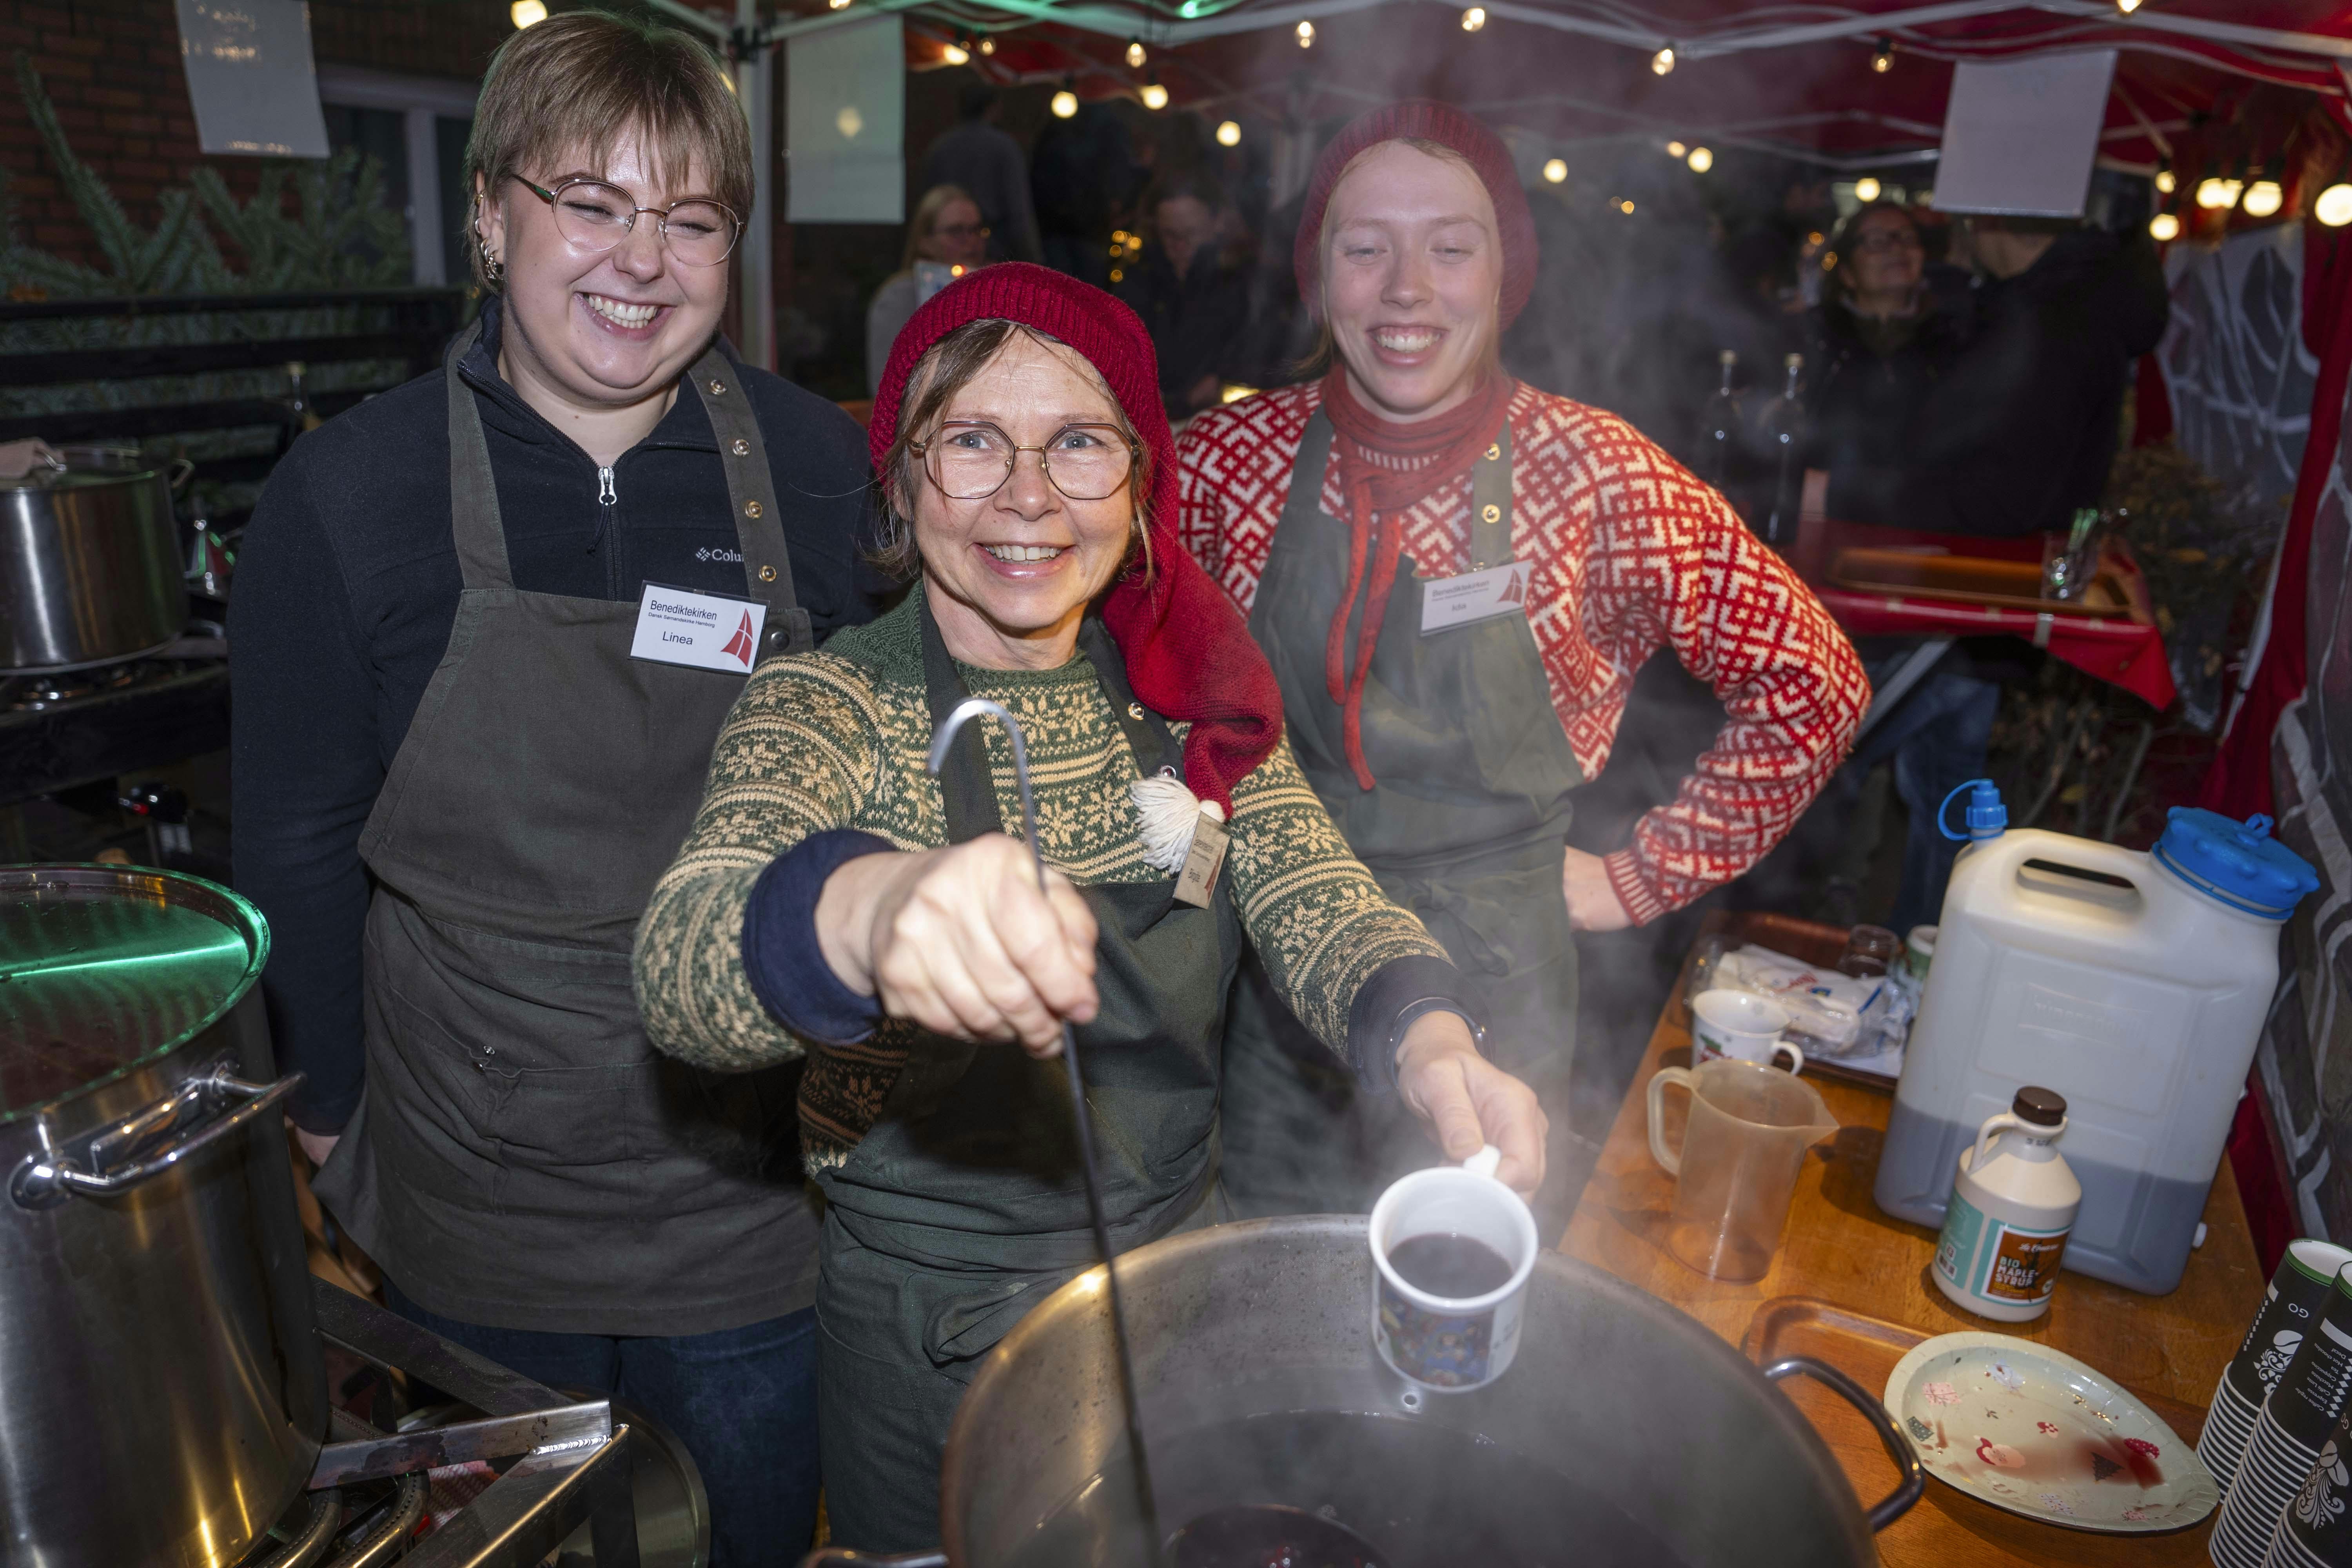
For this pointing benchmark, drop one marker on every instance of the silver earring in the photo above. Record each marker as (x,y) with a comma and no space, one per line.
(492,267)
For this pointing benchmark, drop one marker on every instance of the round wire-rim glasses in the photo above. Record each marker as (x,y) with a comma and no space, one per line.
(594,215)
(970,459)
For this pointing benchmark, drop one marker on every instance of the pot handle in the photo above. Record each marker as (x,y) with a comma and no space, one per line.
(840,1557)
(182,472)
(44,1181)
(1898,1447)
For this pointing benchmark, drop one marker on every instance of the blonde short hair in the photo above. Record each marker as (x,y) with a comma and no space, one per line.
(586,77)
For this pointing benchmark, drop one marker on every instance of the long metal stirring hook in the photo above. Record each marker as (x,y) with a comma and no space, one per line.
(974,708)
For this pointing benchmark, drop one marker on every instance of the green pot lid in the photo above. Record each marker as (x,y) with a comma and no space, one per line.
(104,967)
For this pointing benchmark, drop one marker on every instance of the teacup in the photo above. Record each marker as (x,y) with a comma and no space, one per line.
(1742,1025)
(1451,1342)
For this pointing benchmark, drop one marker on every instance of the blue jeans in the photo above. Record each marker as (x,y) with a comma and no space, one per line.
(1938,735)
(743,1401)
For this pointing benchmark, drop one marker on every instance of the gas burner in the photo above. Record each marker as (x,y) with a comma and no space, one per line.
(512,1476)
(44,690)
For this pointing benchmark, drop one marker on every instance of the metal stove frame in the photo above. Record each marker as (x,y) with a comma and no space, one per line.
(573,1461)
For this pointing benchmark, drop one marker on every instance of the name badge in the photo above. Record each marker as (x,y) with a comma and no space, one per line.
(1198,880)
(704,631)
(1474,596)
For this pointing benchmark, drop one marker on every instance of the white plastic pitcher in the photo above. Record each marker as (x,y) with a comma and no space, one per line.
(2133,983)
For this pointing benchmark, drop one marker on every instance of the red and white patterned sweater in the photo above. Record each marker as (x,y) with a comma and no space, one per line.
(1631,550)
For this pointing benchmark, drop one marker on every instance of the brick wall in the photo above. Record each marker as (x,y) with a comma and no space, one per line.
(112,68)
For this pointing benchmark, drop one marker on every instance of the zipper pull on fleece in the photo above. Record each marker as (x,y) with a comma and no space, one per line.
(604,496)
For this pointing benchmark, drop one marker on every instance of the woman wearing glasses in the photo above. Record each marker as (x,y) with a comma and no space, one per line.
(835,900)
(487,625)
(946,237)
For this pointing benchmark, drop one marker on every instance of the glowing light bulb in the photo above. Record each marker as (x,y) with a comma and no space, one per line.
(1675,149)
(987,46)
(1884,60)
(849,122)
(1155,97)
(2263,198)
(956,55)
(2334,206)
(1306,35)
(1555,170)
(1626,207)
(2165,184)
(1474,18)
(837,4)
(1700,159)
(1663,60)
(1064,104)
(1229,134)
(2127,6)
(2209,194)
(527,13)
(1135,55)
(2163,226)
(1866,188)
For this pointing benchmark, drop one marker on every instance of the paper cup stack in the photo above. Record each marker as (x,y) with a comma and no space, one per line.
(2301,1348)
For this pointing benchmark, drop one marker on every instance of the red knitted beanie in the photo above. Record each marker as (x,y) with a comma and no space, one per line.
(1189,655)
(1424,121)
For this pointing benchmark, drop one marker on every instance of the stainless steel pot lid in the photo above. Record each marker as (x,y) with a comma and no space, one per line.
(103,967)
(93,463)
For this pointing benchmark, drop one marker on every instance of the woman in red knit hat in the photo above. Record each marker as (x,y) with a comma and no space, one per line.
(836,901)
(1455,577)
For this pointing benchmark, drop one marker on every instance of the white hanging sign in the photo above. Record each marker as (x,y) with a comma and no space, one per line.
(251,79)
(845,124)
(2019,137)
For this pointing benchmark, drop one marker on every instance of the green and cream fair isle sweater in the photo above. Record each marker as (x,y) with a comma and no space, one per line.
(837,739)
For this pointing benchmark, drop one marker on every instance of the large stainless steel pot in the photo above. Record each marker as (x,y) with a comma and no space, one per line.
(162,1395)
(1638,1402)
(90,570)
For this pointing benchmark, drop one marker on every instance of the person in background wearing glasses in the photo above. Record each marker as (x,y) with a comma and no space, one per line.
(1873,347)
(945,239)
(474,709)
(837,902)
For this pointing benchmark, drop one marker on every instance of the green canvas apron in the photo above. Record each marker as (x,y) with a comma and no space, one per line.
(522,1157)
(965,1206)
(1466,827)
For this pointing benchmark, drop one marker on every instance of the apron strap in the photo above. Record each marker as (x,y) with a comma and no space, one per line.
(967,786)
(751,498)
(474,522)
(1490,504)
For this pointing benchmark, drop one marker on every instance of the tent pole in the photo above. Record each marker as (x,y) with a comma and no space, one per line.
(754,90)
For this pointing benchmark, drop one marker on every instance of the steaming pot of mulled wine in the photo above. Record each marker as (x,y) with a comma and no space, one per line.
(1624,1433)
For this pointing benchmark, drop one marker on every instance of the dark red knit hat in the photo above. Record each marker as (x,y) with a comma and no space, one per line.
(1189,655)
(1426,121)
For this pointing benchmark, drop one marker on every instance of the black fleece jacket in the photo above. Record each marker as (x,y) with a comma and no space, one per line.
(347,589)
(2021,428)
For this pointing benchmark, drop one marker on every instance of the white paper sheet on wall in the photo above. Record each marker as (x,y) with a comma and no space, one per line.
(2020,137)
(251,77)
(845,124)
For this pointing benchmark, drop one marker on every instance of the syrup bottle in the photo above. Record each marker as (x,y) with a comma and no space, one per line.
(2014,1203)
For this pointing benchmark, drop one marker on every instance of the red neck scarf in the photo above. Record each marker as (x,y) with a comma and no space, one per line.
(1384,468)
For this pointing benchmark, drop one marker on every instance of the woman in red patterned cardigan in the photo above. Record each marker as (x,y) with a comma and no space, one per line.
(1456,577)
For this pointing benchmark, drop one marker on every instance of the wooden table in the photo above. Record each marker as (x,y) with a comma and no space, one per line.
(1850,1286)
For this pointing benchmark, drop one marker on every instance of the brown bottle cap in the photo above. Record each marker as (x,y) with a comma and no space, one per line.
(2042,1107)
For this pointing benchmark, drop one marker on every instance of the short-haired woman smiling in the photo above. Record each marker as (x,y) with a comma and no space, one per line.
(835,898)
(460,764)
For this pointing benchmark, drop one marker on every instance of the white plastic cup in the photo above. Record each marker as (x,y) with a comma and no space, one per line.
(1742,1025)
(1446,1343)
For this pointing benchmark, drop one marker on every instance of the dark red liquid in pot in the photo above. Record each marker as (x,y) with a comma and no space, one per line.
(1454,1266)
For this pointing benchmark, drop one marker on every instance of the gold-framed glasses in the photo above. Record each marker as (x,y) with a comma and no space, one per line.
(593,216)
(970,459)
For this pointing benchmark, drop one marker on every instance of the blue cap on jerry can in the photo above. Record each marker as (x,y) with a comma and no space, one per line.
(1987,818)
(2235,863)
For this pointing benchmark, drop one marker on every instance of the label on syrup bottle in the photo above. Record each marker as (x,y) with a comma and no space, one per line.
(1995,1260)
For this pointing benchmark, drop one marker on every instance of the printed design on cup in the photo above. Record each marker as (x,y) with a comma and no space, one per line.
(2318,1505)
(1442,1350)
(2271,1365)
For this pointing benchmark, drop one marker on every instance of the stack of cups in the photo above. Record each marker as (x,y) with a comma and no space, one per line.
(2297,1291)
(2305,1402)
(2314,1532)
